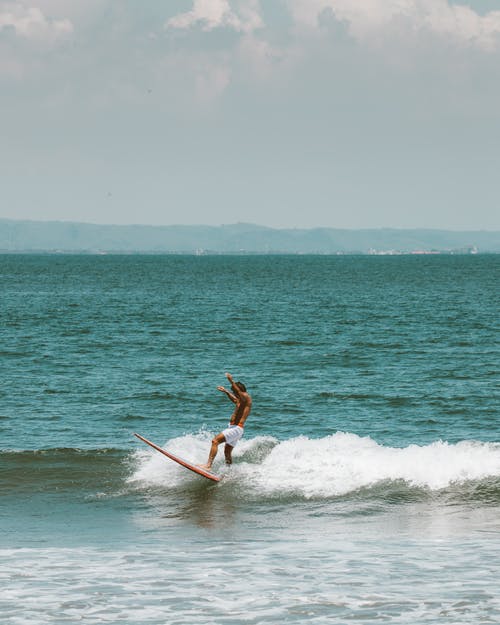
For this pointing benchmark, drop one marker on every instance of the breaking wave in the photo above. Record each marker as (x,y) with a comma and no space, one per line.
(334,466)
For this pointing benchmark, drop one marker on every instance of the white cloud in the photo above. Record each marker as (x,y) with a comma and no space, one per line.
(367,18)
(30,23)
(210,14)
(464,24)
(397,28)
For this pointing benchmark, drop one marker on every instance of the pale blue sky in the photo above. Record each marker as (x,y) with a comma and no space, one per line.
(286,113)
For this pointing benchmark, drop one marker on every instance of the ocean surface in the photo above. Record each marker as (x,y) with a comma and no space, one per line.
(366,488)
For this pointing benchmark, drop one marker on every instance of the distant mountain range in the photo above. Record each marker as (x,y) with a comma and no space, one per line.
(55,236)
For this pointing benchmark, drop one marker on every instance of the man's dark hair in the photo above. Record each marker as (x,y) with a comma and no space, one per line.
(241,386)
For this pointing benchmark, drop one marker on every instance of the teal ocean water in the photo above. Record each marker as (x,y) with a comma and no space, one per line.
(367,485)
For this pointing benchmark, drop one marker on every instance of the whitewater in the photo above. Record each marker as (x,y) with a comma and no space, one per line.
(333,466)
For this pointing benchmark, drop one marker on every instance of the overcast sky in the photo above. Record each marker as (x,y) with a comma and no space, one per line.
(286,113)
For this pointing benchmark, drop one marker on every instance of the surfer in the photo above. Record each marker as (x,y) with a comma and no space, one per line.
(232,434)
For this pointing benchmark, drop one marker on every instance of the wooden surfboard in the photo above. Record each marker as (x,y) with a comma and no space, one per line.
(184,463)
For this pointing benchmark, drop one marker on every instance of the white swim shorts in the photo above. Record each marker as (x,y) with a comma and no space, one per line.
(233,434)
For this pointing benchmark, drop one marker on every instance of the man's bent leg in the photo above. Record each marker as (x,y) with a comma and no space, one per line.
(216,441)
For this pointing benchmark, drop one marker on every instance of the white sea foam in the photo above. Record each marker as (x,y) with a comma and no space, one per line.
(153,469)
(342,462)
(322,578)
(326,467)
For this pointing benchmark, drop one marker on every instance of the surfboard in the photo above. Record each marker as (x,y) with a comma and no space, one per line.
(184,463)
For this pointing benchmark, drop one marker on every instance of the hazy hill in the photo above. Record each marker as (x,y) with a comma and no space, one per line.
(17,236)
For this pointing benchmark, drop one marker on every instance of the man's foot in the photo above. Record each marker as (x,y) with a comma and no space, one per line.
(207,467)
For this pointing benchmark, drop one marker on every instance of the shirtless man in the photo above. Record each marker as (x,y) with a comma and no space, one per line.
(234,432)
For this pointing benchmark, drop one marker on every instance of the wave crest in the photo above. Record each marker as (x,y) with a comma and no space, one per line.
(336,465)
(343,463)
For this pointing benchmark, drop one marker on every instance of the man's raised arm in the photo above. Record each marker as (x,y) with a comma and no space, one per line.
(230,395)
(236,390)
